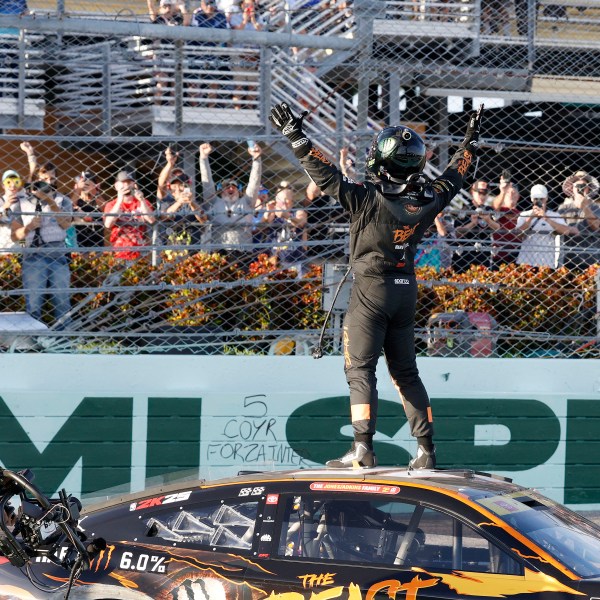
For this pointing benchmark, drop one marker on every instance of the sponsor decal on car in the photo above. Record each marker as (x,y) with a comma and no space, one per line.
(365,488)
(160,500)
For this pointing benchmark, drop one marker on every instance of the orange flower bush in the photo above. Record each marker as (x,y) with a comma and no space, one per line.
(202,289)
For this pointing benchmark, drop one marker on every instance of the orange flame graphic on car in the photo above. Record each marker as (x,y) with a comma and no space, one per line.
(494,585)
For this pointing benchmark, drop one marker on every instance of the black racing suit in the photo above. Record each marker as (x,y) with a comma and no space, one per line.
(387,222)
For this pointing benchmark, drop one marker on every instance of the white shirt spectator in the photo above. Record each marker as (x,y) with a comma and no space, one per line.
(541,245)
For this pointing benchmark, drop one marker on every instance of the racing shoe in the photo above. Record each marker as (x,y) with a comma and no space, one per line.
(360,456)
(423,460)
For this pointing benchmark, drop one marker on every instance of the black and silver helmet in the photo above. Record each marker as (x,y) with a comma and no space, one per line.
(395,154)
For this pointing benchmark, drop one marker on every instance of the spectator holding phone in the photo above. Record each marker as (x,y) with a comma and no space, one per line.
(508,194)
(12,185)
(41,223)
(181,216)
(127,218)
(541,229)
(581,210)
(88,205)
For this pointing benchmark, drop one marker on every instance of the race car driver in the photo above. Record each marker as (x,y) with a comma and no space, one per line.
(389,214)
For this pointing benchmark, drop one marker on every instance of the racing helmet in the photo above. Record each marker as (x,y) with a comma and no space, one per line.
(395,154)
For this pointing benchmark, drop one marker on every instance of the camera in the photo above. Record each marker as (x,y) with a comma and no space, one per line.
(506,175)
(580,187)
(41,186)
(537,202)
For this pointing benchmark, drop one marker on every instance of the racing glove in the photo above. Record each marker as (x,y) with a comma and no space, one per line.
(471,141)
(284,120)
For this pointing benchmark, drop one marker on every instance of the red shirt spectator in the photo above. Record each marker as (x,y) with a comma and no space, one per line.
(127,217)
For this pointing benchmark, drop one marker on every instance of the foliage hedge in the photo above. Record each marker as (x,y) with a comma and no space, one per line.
(207,289)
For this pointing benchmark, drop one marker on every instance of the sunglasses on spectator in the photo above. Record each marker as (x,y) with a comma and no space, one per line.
(15,180)
(482,191)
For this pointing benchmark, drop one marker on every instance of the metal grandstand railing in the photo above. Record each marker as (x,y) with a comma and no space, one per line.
(21,91)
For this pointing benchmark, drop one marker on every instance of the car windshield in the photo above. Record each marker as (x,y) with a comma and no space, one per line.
(562,533)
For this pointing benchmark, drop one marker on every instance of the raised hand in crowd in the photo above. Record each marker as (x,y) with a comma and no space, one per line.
(31,159)
(166,173)
(254,151)
(205,150)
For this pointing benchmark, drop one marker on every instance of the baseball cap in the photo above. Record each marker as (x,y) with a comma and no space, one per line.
(539,191)
(481,186)
(167,2)
(125,176)
(284,185)
(180,176)
(227,182)
(10,174)
(263,190)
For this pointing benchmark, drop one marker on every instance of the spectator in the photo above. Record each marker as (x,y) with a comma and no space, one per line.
(581,212)
(288,232)
(42,220)
(434,249)
(323,212)
(228,7)
(231,213)
(127,218)
(246,70)
(522,16)
(208,16)
(495,17)
(168,12)
(168,171)
(88,204)
(508,195)
(46,172)
(473,230)
(261,223)
(14,7)
(542,228)
(12,185)
(506,240)
(181,215)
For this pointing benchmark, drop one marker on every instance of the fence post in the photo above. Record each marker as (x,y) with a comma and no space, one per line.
(21,83)
(178,91)
(364,12)
(339,125)
(476,45)
(531,32)
(106,90)
(265,86)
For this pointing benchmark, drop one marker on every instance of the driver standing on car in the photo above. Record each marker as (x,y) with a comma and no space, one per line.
(389,214)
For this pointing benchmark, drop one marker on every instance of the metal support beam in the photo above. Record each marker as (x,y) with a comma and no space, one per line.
(21,82)
(364,17)
(106,90)
(165,32)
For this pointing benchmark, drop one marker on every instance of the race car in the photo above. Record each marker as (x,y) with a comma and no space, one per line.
(299,535)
